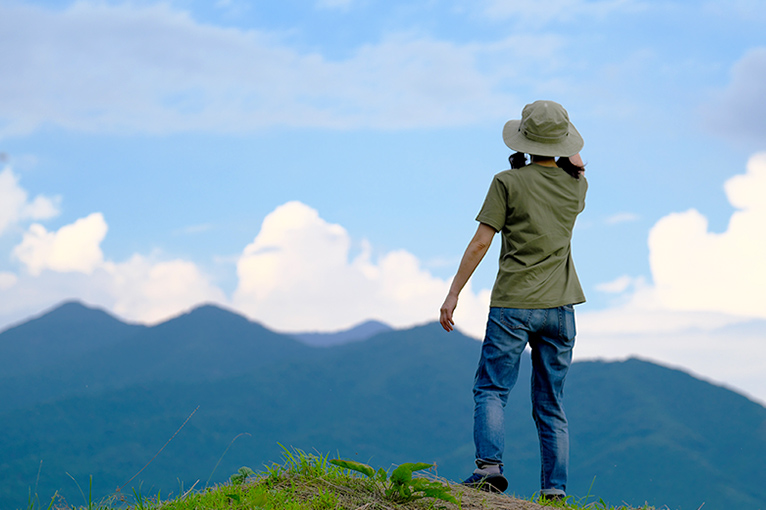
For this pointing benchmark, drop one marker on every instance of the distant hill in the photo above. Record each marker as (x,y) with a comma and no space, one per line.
(207,344)
(65,333)
(640,432)
(358,333)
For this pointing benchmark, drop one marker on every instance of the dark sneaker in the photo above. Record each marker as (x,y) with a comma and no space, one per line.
(552,497)
(487,482)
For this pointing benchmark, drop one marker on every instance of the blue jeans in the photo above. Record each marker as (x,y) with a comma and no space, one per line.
(550,333)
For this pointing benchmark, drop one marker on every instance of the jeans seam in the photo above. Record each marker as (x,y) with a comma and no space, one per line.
(563,327)
(523,322)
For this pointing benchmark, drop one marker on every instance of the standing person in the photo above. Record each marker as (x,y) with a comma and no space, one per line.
(534,206)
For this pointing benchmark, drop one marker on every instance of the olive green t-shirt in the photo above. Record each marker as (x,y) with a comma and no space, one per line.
(534,208)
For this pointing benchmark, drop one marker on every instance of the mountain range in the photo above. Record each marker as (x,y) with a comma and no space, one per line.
(86,395)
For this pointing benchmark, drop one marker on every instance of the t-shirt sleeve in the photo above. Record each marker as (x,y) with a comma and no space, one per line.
(495,208)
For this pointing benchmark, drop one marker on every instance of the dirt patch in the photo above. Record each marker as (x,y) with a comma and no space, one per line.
(479,500)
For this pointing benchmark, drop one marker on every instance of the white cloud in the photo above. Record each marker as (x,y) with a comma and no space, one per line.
(623,217)
(150,291)
(74,247)
(705,309)
(641,313)
(15,205)
(739,110)
(617,286)
(7,280)
(141,289)
(701,280)
(723,348)
(69,263)
(127,68)
(695,269)
(729,352)
(714,345)
(297,275)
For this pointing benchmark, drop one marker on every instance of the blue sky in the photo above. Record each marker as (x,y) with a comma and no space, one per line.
(312,164)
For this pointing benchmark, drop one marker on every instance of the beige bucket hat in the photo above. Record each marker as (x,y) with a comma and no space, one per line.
(544,130)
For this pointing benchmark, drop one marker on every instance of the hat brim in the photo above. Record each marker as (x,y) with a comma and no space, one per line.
(515,139)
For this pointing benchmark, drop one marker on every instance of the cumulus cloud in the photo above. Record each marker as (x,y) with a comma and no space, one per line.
(150,291)
(738,111)
(74,247)
(700,278)
(7,280)
(69,263)
(298,274)
(695,269)
(15,205)
(704,309)
(152,68)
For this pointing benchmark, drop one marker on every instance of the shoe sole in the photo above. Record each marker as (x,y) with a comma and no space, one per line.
(491,483)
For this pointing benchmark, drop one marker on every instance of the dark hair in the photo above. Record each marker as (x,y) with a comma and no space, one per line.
(519,160)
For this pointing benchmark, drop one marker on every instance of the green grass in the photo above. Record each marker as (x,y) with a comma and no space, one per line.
(305,481)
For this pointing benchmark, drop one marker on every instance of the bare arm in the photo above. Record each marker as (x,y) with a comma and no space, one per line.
(474,254)
(577,160)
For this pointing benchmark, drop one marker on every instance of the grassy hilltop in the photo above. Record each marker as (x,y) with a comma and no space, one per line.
(311,482)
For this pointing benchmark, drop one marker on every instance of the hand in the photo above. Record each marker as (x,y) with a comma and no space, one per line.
(446,311)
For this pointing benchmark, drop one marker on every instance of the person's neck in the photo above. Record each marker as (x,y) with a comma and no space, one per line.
(546,162)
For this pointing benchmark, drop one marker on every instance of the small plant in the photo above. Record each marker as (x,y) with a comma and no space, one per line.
(241,475)
(305,464)
(143,503)
(401,486)
(34,503)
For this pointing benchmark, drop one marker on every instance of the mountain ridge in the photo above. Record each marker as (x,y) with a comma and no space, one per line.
(358,333)
(39,341)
